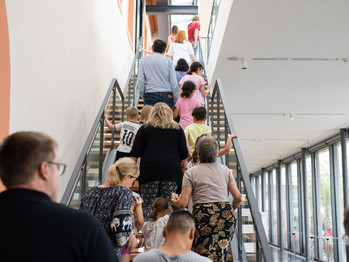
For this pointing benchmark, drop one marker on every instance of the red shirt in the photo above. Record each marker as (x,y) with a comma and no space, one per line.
(191,30)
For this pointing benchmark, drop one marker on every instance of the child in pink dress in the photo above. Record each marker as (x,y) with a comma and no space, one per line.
(186,103)
(194,75)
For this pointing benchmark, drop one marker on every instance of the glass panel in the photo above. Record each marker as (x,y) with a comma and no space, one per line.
(294,207)
(325,201)
(284,206)
(310,194)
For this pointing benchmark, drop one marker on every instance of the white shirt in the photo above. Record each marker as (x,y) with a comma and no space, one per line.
(152,231)
(178,51)
(127,131)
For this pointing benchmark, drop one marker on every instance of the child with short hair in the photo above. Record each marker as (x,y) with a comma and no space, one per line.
(186,104)
(127,129)
(152,230)
(192,132)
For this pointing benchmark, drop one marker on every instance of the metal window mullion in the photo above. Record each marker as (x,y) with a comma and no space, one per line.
(345,174)
(335,200)
(317,215)
(263,189)
(270,204)
(300,207)
(279,205)
(289,197)
(306,206)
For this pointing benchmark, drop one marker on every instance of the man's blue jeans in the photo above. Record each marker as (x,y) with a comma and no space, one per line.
(153,98)
(196,50)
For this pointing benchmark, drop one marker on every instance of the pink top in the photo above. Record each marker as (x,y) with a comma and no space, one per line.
(198,81)
(172,37)
(185,107)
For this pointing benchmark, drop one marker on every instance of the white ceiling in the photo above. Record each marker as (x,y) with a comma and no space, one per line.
(315,92)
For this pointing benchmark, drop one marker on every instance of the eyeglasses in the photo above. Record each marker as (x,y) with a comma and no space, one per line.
(60,166)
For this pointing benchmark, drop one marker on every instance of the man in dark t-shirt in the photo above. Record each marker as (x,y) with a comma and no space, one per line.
(33,227)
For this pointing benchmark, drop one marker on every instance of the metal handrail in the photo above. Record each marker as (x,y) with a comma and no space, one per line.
(100,115)
(218,87)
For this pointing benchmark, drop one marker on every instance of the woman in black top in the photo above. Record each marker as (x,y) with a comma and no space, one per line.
(161,145)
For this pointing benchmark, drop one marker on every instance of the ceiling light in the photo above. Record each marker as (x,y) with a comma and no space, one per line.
(291,116)
(346,60)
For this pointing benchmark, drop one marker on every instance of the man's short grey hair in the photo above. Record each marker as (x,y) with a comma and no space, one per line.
(207,149)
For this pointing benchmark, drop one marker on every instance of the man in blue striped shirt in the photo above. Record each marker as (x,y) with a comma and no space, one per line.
(156,77)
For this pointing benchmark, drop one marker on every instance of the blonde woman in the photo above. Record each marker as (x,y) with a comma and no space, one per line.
(181,48)
(111,203)
(160,143)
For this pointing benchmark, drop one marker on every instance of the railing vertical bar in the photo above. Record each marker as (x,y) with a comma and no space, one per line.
(101,145)
(84,176)
(240,243)
(113,117)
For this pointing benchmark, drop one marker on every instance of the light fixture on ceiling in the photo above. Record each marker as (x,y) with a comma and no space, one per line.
(345,60)
(291,116)
(260,141)
(243,63)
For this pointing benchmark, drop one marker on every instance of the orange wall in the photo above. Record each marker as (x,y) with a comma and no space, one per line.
(4,73)
(4,76)
(130,22)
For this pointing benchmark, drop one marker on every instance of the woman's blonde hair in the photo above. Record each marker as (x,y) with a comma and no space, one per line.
(122,168)
(162,116)
(145,114)
(180,37)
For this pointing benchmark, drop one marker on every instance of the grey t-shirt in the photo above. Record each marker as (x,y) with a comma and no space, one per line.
(209,182)
(155,255)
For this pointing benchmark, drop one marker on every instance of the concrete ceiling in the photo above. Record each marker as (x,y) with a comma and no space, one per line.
(262,97)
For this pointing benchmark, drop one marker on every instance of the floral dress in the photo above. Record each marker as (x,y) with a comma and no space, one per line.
(152,231)
(112,206)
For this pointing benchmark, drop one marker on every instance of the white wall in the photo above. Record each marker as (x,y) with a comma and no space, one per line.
(63,56)
(221,25)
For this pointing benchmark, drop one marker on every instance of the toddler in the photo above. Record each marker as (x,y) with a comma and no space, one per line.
(186,104)
(152,230)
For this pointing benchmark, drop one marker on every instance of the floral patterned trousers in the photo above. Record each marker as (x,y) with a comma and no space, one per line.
(215,226)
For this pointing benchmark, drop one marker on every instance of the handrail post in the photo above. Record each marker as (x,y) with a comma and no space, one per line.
(238,181)
(84,176)
(113,117)
(101,144)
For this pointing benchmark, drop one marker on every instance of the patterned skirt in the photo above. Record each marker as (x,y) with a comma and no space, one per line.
(215,226)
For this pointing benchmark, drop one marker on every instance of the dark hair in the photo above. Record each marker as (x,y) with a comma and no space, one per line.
(195,154)
(182,65)
(180,221)
(22,153)
(199,113)
(346,220)
(207,149)
(159,46)
(160,204)
(188,88)
(195,66)
(174,29)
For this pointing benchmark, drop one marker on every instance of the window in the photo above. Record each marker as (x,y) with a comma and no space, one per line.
(274,209)
(283,198)
(295,207)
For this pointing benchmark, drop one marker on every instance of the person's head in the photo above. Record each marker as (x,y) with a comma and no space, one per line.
(162,116)
(346,221)
(188,89)
(207,149)
(145,114)
(29,159)
(182,65)
(181,222)
(195,157)
(160,207)
(195,67)
(180,37)
(159,46)
(132,113)
(123,172)
(174,30)
(199,113)
(196,19)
